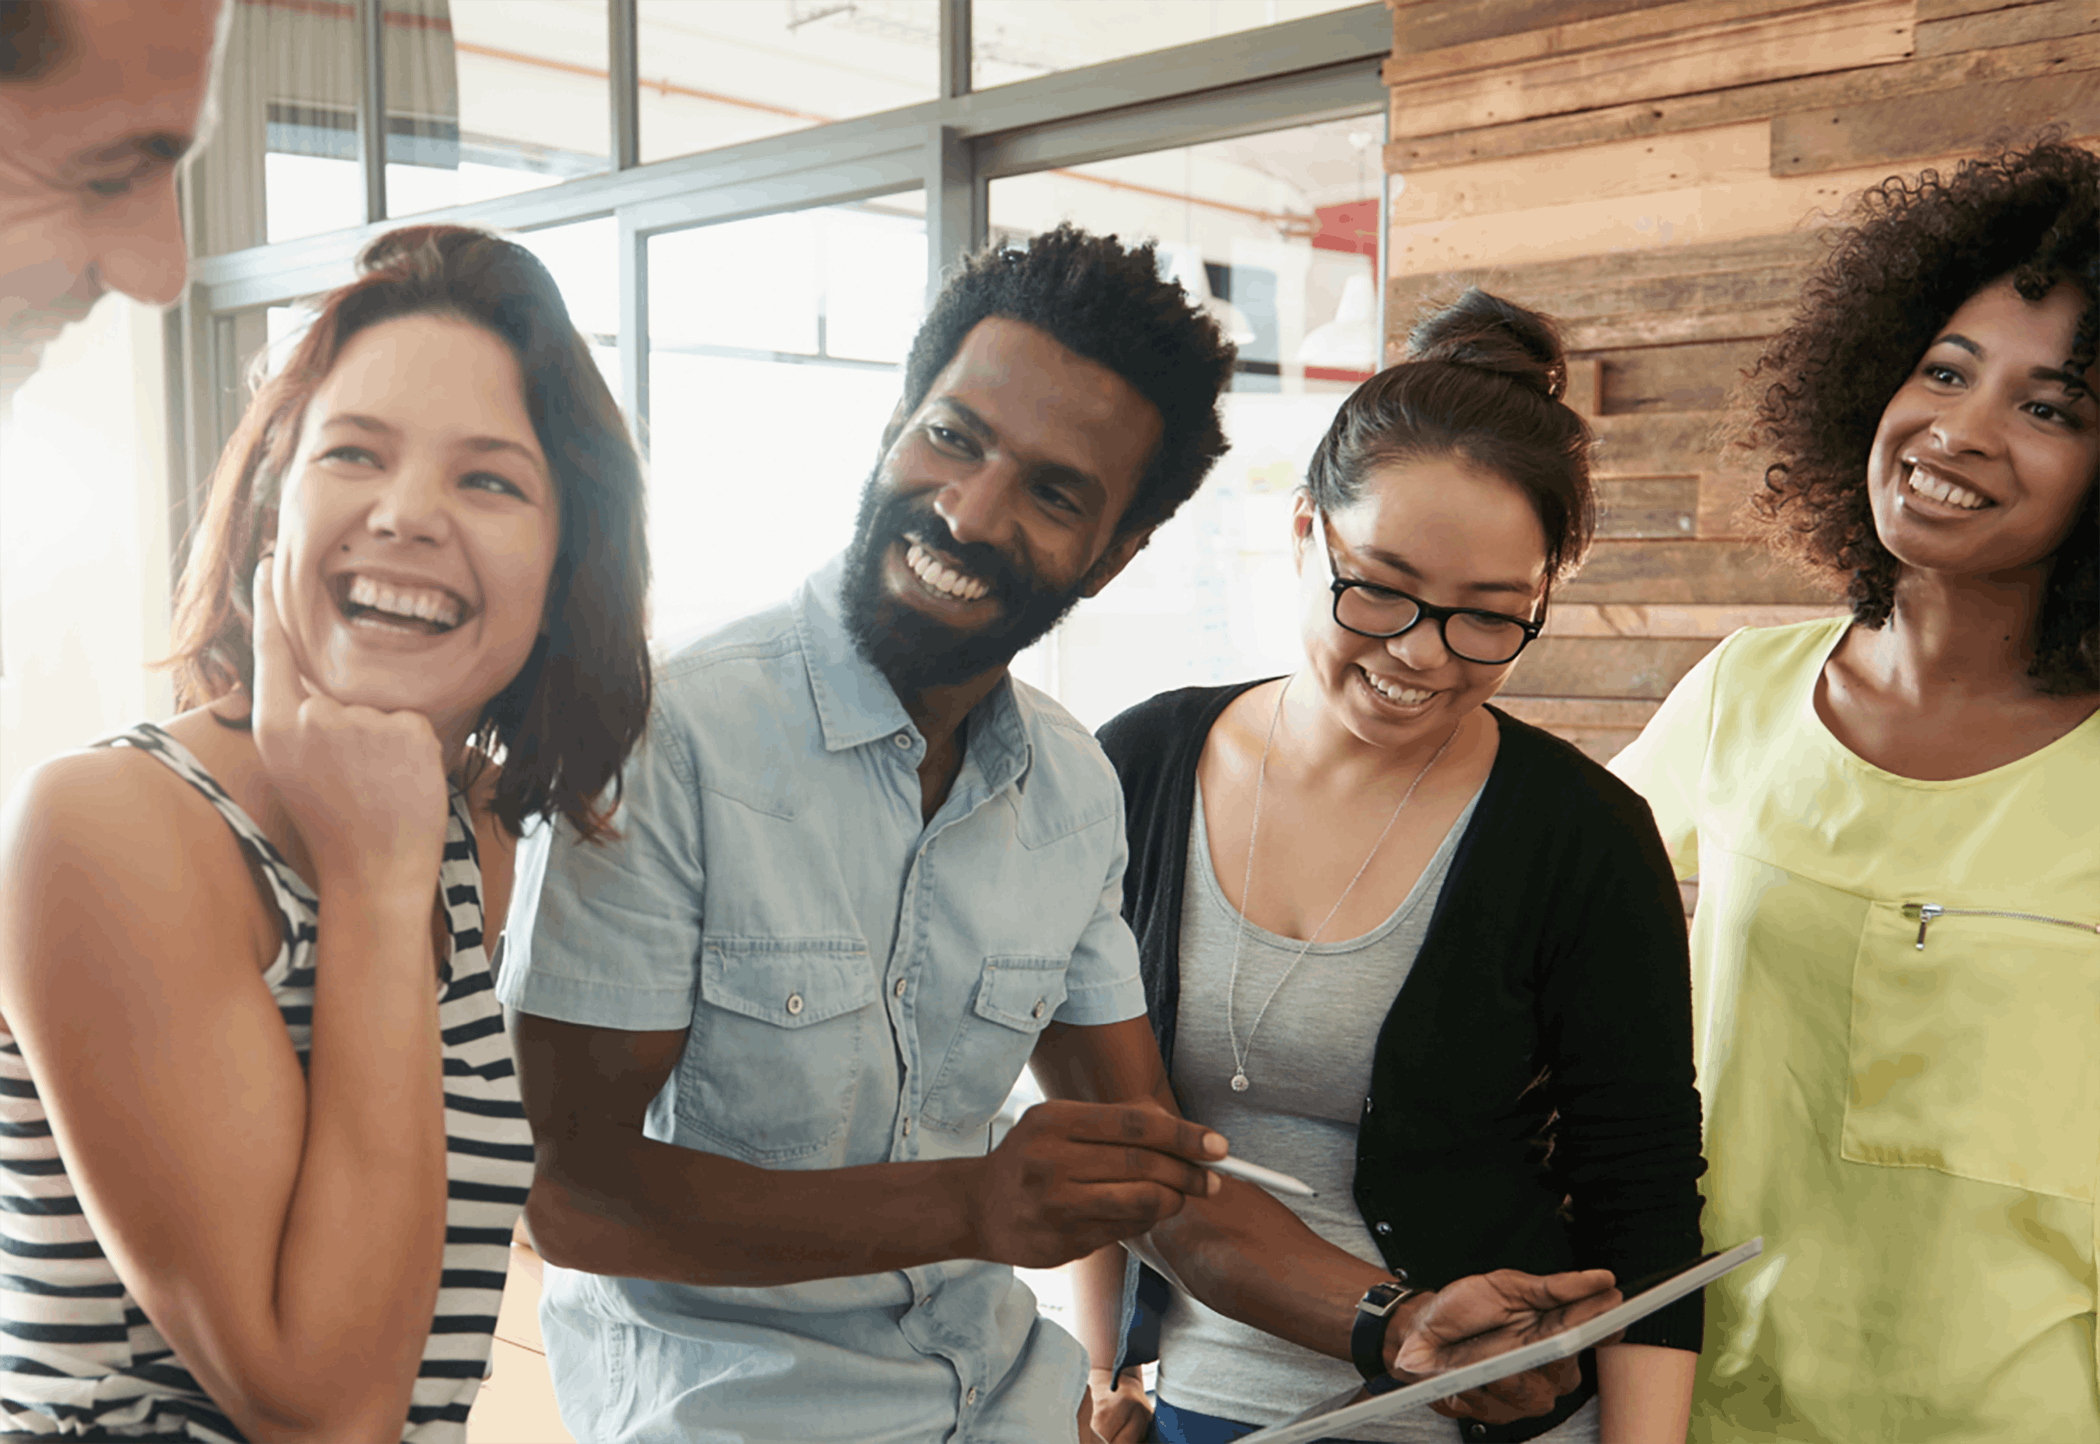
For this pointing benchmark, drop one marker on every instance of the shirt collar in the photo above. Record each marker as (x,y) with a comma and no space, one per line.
(856,704)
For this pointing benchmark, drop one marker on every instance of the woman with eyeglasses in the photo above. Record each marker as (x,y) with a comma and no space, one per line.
(1418,954)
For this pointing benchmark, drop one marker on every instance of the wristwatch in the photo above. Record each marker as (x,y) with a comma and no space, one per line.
(1367,1335)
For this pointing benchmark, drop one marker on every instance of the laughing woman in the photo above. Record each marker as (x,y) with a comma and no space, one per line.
(1892,817)
(261,1148)
(1396,942)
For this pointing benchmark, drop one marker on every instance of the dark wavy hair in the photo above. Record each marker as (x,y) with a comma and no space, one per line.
(1913,251)
(569,718)
(1106,302)
(1482,382)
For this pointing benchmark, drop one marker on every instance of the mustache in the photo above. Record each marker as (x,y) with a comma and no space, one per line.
(1008,582)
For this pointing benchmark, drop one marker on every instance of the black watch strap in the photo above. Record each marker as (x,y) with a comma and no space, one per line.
(1367,1334)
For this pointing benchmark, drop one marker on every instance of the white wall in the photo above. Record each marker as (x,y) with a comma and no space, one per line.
(84,541)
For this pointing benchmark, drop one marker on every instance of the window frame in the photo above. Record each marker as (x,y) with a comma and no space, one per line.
(1293,73)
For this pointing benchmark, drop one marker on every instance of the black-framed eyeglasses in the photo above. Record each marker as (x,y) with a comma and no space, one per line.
(1470,634)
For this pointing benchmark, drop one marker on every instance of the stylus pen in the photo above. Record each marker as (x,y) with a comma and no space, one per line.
(1268,1178)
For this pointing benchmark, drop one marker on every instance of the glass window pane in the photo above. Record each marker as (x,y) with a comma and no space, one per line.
(491,97)
(282,162)
(715,72)
(1278,233)
(762,431)
(1020,39)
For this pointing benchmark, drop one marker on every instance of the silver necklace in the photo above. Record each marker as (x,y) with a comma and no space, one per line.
(1240,1083)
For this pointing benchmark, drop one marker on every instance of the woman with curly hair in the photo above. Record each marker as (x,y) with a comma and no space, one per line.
(1896,957)
(261,1142)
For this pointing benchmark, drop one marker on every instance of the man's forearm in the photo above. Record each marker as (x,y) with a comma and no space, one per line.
(634,1207)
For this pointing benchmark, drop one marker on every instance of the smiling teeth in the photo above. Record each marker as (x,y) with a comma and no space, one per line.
(943,579)
(1394,692)
(1938,488)
(423,604)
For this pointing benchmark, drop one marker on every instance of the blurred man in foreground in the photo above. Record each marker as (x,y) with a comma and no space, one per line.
(98,103)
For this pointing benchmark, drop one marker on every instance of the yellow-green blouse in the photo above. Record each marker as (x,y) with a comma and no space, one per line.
(1915,1130)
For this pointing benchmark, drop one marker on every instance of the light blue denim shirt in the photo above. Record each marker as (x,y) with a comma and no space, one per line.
(860,987)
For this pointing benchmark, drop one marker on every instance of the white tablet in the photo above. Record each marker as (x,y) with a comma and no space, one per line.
(1333,1418)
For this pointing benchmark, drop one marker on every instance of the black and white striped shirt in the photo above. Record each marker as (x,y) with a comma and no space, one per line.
(80,1355)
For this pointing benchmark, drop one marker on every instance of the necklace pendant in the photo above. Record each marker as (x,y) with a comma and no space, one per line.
(1239,1082)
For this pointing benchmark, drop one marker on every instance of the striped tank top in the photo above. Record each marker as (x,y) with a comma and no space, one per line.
(81,1357)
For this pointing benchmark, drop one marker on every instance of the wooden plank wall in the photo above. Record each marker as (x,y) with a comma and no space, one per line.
(1654,173)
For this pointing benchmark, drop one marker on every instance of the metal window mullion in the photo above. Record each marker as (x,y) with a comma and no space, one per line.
(1353,88)
(624,67)
(371,105)
(957,54)
(634,327)
(956,210)
(1385,236)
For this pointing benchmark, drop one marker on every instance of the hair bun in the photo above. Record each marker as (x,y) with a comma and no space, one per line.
(1490,334)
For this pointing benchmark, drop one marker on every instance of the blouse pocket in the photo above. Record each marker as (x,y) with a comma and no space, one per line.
(1972,1047)
(1017,996)
(783,1031)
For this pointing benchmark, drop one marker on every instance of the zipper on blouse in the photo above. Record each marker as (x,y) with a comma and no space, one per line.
(1924,913)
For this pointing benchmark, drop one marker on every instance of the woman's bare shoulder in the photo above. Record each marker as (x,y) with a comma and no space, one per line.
(114,828)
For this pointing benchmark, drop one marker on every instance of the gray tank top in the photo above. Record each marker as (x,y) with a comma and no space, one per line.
(1309,1068)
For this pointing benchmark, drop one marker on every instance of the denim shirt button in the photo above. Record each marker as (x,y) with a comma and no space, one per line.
(1037,1010)
(899,989)
(971,1397)
(907,1126)
(903,741)
(794,1003)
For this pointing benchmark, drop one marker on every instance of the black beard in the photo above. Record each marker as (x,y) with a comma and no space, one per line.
(912,650)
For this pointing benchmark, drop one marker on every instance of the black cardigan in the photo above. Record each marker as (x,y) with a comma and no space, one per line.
(1532,1102)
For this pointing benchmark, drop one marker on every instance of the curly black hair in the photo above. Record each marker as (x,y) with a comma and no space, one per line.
(1913,251)
(1106,302)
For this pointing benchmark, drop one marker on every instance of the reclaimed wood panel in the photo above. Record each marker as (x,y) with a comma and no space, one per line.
(1439,24)
(1655,445)
(1690,571)
(1675,18)
(1844,37)
(1910,126)
(1585,276)
(1655,506)
(1585,390)
(1562,714)
(1724,496)
(1726,155)
(1605,666)
(1698,377)
(1947,35)
(1666,295)
(1667,115)
(1709,621)
(1930,10)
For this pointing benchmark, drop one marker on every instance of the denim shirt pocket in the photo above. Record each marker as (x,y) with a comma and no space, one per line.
(1971,1048)
(1017,996)
(782,1033)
